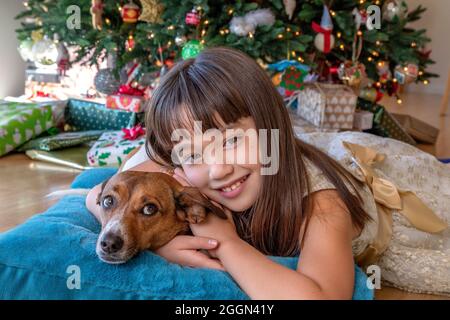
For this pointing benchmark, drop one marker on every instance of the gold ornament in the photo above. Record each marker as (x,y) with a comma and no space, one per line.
(37,35)
(151,11)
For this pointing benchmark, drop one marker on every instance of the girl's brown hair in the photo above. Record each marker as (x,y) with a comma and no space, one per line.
(229,82)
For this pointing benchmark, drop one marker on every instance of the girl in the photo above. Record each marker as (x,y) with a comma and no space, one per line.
(310,204)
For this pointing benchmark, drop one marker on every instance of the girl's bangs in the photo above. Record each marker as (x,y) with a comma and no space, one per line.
(181,108)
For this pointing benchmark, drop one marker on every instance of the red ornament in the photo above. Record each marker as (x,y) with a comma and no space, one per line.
(193,18)
(130,12)
(129,43)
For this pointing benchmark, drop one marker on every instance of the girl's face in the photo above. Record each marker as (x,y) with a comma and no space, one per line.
(226,171)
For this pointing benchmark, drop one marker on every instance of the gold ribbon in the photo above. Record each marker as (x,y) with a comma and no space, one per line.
(387,198)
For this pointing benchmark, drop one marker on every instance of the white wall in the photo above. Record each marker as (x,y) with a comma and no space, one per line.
(436,20)
(12,72)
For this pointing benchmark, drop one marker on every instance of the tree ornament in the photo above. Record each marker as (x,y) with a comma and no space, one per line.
(191,49)
(151,11)
(193,18)
(406,74)
(245,25)
(392,9)
(383,71)
(105,81)
(130,43)
(25,50)
(289,7)
(180,40)
(63,59)
(352,74)
(130,12)
(37,35)
(45,52)
(97,12)
(324,40)
(371,94)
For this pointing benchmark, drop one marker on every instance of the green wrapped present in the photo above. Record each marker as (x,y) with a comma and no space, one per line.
(384,124)
(20,122)
(61,140)
(84,115)
(112,149)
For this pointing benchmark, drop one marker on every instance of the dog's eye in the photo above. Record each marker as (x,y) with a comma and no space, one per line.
(149,209)
(107,202)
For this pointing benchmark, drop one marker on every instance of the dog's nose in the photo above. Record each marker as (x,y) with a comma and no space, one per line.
(111,243)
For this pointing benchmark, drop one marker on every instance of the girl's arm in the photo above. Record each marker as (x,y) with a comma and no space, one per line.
(326,267)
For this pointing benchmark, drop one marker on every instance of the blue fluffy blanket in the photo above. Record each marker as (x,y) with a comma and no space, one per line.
(52,256)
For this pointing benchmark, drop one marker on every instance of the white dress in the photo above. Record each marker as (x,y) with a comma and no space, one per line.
(414,261)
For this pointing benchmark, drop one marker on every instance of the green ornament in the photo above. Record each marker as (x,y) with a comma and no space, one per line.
(191,49)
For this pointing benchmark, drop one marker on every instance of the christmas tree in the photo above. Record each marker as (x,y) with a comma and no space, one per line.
(340,40)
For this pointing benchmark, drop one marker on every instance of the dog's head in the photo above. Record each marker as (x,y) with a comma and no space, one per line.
(145,210)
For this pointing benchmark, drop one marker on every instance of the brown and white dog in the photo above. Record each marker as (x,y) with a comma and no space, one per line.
(145,210)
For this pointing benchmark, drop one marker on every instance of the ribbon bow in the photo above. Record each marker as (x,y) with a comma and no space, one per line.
(133,133)
(326,36)
(388,197)
(128,90)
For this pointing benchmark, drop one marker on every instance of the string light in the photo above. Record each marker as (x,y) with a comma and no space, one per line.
(332,13)
(250,35)
(342,47)
(206,22)
(297,33)
(420,73)
(203,32)
(399,101)
(222,32)
(107,21)
(288,29)
(230,12)
(426,82)
(378,43)
(413,44)
(280,36)
(359,33)
(339,34)
(369,59)
(171,27)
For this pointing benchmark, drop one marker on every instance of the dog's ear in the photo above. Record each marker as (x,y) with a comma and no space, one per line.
(193,206)
(99,196)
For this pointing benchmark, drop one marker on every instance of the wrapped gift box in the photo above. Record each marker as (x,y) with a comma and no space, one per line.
(112,149)
(327,105)
(419,130)
(384,124)
(20,122)
(83,115)
(363,120)
(125,102)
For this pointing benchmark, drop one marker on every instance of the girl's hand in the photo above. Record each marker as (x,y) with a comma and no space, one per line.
(217,228)
(184,250)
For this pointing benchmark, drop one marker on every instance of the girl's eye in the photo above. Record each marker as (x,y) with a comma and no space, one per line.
(232,141)
(107,202)
(192,158)
(149,209)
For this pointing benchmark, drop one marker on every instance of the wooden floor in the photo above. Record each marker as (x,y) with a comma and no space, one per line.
(24,183)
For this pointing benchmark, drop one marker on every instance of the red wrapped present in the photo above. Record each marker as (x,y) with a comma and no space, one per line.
(125,102)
